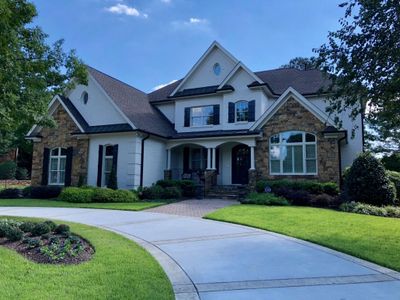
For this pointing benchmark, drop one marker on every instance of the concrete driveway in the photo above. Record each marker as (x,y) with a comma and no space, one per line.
(212,260)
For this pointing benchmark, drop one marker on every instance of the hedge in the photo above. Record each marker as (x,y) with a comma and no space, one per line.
(103,195)
(313,187)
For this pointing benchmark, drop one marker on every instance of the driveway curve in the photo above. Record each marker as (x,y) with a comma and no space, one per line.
(210,260)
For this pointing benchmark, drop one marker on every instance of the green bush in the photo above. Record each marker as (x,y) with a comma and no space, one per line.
(27,226)
(14,234)
(51,224)
(172,192)
(45,191)
(395,178)
(21,174)
(26,192)
(392,162)
(367,209)
(8,170)
(76,195)
(11,194)
(367,182)
(62,229)
(187,187)
(4,227)
(313,187)
(40,228)
(152,192)
(113,182)
(105,195)
(265,199)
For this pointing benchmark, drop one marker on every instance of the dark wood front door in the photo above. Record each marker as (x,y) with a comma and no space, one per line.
(240,164)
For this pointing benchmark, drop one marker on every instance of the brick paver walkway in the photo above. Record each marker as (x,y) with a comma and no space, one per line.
(193,208)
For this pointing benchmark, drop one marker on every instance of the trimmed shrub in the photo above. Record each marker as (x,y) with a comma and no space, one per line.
(368,182)
(172,192)
(45,192)
(21,174)
(27,226)
(108,195)
(4,227)
(164,183)
(62,229)
(153,192)
(325,200)
(51,224)
(395,178)
(392,162)
(264,199)
(14,234)
(187,187)
(367,209)
(8,170)
(313,187)
(26,192)
(76,195)
(40,228)
(113,182)
(11,194)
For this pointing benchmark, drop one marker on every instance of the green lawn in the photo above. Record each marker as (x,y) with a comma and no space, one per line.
(120,269)
(56,203)
(376,239)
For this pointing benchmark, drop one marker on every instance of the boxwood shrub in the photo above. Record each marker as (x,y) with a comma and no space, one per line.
(314,187)
(11,194)
(77,195)
(45,191)
(367,209)
(108,195)
(264,199)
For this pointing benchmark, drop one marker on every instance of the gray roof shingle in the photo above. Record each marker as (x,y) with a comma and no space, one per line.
(134,104)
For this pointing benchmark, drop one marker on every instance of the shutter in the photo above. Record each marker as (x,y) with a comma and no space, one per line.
(217,160)
(68,166)
(45,166)
(231,112)
(216,115)
(187,117)
(252,111)
(100,165)
(186,159)
(115,158)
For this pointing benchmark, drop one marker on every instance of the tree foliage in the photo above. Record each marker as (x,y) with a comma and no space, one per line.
(302,63)
(31,72)
(362,59)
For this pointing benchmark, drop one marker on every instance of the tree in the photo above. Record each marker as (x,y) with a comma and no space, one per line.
(302,63)
(362,60)
(31,72)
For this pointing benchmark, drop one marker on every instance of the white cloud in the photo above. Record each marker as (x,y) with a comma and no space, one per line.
(193,23)
(160,86)
(197,21)
(166,1)
(122,9)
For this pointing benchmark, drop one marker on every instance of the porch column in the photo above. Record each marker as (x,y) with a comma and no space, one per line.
(252,161)
(208,158)
(214,164)
(168,159)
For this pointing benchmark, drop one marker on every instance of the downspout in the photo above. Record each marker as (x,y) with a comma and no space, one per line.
(142,161)
(340,160)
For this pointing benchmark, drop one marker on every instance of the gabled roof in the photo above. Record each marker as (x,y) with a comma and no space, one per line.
(134,104)
(309,82)
(239,66)
(291,93)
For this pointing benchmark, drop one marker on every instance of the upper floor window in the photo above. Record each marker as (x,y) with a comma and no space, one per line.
(201,116)
(241,111)
(293,152)
(85,97)
(108,163)
(57,161)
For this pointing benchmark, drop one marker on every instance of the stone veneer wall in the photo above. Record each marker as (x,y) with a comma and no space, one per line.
(293,116)
(60,136)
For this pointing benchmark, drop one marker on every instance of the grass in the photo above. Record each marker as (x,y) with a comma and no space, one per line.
(55,203)
(120,269)
(376,239)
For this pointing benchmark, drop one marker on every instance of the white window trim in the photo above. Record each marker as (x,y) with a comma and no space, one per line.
(303,144)
(191,116)
(104,164)
(241,122)
(58,157)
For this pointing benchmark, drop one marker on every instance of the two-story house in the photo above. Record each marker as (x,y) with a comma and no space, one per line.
(222,124)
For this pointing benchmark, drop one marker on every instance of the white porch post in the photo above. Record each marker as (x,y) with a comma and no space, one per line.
(168,159)
(208,158)
(214,165)
(252,162)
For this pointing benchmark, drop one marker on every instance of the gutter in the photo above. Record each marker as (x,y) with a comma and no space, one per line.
(142,160)
(340,159)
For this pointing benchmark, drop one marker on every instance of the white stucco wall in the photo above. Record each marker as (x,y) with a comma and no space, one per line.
(204,74)
(354,146)
(128,158)
(98,110)
(154,161)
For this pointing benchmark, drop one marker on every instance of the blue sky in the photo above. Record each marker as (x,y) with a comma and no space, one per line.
(151,42)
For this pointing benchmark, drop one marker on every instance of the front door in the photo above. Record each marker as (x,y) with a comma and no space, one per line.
(240,164)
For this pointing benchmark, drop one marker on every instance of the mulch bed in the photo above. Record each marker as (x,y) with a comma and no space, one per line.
(34,254)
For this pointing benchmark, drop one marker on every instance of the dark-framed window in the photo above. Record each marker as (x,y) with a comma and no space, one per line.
(242,111)
(202,116)
(57,163)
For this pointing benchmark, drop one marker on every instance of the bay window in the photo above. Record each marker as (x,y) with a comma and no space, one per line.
(293,152)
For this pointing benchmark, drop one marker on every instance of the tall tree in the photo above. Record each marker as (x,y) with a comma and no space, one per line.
(362,59)
(31,72)
(302,63)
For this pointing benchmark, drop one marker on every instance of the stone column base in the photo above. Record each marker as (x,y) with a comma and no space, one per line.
(252,180)
(210,179)
(167,174)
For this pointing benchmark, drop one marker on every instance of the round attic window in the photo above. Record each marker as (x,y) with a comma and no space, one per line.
(217,69)
(85,97)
